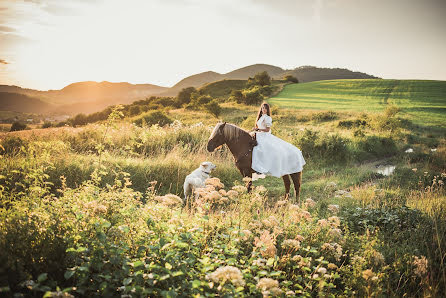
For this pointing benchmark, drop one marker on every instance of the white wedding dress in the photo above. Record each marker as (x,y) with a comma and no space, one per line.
(273,156)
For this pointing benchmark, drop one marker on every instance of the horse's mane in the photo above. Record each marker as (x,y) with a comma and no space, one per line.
(230,131)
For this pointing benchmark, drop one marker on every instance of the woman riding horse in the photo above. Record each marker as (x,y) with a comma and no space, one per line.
(272,155)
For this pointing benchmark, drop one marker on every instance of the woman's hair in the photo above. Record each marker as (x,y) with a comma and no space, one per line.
(268,111)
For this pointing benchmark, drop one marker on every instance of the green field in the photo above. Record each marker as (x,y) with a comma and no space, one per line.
(424,102)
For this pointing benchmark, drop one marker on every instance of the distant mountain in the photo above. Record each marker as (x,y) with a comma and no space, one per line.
(312,73)
(89,97)
(84,97)
(250,71)
(23,103)
(304,74)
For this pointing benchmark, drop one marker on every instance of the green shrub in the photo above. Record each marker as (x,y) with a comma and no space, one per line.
(152,118)
(374,146)
(324,116)
(213,108)
(16,126)
(13,145)
(322,146)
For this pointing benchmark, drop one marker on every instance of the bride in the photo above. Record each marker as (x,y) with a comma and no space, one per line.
(273,156)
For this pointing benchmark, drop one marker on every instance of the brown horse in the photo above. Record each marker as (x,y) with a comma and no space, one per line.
(241,144)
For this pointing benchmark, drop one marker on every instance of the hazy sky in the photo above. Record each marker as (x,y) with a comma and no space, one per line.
(48,44)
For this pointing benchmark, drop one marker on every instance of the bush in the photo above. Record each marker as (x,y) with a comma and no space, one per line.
(375,146)
(152,118)
(135,110)
(291,79)
(327,147)
(252,96)
(13,145)
(184,96)
(16,126)
(352,123)
(47,124)
(213,108)
(324,116)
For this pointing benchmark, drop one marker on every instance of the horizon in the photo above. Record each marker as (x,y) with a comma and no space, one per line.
(47,45)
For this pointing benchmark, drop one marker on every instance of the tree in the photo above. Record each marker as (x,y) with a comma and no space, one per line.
(184,96)
(290,78)
(16,126)
(262,78)
(135,110)
(213,108)
(237,96)
(252,96)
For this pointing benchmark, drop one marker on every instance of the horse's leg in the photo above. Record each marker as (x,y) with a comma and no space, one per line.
(297,180)
(286,181)
(249,186)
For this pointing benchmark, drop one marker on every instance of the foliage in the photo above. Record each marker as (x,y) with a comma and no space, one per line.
(184,96)
(16,126)
(213,108)
(152,118)
(291,79)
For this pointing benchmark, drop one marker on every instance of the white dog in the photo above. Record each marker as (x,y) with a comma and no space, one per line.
(197,177)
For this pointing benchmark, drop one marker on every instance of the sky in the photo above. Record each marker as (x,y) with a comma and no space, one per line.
(48,44)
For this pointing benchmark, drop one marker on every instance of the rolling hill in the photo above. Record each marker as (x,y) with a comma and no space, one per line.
(304,74)
(23,103)
(424,102)
(89,97)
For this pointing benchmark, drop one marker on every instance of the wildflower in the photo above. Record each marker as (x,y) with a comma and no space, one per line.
(331,185)
(239,188)
(255,225)
(414,169)
(309,203)
(410,150)
(247,179)
(96,208)
(259,262)
(332,266)
(227,273)
(315,276)
(341,192)
(290,293)
(268,286)
(321,270)
(246,234)
(270,222)
(420,265)
(333,249)
(232,193)
(213,196)
(222,192)
(334,221)
(260,189)
(433,149)
(294,208)
(323,223)
(266,244)
(291,244)
(281,203)
(301,261)
(169,200)
(224,200)
(368,274)
(333,208)
(176,221)
(299,238)
(335,233)
(378,258)
(214,182)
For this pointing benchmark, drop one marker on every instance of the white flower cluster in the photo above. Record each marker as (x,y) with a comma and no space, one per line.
(291,244)
(269,287)
(169,200)
(227,274)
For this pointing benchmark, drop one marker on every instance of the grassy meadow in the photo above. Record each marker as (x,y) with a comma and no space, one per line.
(97,210)
(422,101)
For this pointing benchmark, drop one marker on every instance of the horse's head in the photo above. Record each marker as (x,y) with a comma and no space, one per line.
(217,137)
